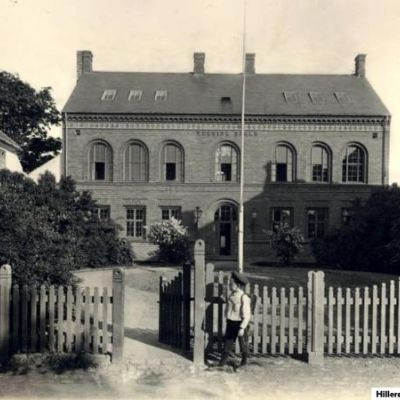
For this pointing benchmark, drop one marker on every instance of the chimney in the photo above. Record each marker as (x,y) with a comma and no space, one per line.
(199,59)
(250,63)
(84,60)
(360,65)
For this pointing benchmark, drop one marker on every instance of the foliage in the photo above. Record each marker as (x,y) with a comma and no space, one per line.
(286,241)
(48,230)
(371,241)
(26,115)
(172,238)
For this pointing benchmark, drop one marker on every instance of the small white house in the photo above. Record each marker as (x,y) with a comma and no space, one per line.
(53,166)
(9,154)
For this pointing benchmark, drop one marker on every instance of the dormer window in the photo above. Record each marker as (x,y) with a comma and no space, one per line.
(343,98)
(161,95)
(291,97)
(135,95)
(317,98)
(109,95)
(226,103)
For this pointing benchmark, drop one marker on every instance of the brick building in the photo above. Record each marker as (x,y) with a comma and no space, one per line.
(155,145)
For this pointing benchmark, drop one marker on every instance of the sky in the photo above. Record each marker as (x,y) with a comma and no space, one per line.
(40,39)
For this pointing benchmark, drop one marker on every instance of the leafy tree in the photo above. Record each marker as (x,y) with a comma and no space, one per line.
(371,241)
(286,241)
(172,238)
(26,115)
(49,230)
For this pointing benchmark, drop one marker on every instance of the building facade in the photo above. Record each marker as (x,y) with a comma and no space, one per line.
(9,154)
(150,146)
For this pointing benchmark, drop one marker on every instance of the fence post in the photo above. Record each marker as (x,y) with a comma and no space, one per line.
(5,289)
(186,294)
(118,314)
(315,320)
(199,303)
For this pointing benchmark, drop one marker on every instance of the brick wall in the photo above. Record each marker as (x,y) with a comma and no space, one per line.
(200,188)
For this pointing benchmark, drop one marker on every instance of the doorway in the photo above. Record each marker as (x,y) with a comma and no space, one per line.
(225,223)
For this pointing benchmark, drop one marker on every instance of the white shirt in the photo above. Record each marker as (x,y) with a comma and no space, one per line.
(238,308)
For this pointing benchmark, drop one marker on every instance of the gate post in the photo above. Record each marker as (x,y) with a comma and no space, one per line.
(5,291)
(315,317)
(118,329)
(199,303)
(186,294)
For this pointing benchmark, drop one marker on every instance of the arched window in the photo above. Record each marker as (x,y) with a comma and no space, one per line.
(136,163)
(354,164)
(226,164)
(100,162)
(320,162)
(283,167)
(173,162)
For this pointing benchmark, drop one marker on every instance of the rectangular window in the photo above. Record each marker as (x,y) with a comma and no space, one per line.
(282,216)
(2,159)
(101,212)
(99,162)
(109,95)
(291,97)
(170,171)
(317,222)
(226,104)
(170,212)
(343,98)
(135,222)
(135,95)
(161,95)
(317,98)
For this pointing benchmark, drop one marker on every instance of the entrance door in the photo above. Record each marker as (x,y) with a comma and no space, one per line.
(225,227)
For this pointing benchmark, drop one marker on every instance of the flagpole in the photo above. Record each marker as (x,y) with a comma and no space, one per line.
(241,199)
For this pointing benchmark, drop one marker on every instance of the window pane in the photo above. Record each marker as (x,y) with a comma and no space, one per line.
(170,171)
(226,154)
(100,171)
(171,153)
(100,152)
(165,214)
(281,172)
(281,216)
(281,154)
(226,170)
(317,222)
(104,213)
(135,222)
(354,165)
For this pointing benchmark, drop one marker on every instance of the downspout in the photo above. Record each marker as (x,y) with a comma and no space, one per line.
(385,149)
(65,121)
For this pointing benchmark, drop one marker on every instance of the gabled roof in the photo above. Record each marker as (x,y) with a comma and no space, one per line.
(188,93)
(7,140)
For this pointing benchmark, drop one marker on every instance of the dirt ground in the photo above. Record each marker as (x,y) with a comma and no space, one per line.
(154,371)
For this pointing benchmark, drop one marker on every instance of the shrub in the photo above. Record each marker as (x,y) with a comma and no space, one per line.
(172,238)
(286,241)
(370,242)
(47,230)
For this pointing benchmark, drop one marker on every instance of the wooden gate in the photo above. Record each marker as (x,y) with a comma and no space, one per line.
(61,318)
(175,309)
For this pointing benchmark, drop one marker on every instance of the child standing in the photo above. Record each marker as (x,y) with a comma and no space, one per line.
(237,314)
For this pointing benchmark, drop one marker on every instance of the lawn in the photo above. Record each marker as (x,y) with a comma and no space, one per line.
(274,275)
